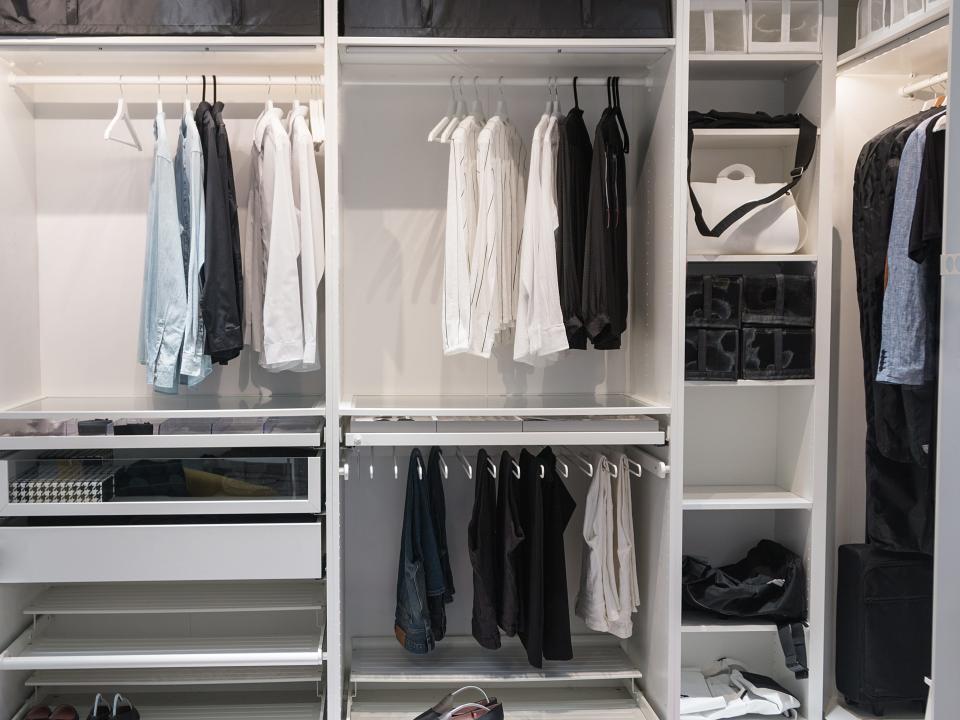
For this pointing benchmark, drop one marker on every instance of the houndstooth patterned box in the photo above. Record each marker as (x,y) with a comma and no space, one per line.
(52,485)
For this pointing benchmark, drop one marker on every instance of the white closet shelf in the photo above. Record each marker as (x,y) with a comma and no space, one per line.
(469,406)
(178,597)
(215,707)
(152,677)
(502,439)
(694,622)
(35,651)
(148,442)
(750,66)
(201,43)
(742,497)
(165,407)
(588,703)
(750,258)
(745,139)
(842,712)
(893,53)
(461,660)
(749,383)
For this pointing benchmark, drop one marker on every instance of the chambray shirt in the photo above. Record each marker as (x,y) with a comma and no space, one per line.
(906,335)
(163,309)
(194,365)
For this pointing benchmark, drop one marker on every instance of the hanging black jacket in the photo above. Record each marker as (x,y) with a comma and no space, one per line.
(221,297)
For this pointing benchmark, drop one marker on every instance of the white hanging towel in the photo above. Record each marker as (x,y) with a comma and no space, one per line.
(597,602)
(625,557)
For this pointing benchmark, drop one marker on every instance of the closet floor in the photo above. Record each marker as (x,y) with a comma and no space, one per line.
(518,703)
(462,660)
(215,706)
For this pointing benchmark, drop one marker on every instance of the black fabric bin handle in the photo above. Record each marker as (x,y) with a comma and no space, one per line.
(806,145)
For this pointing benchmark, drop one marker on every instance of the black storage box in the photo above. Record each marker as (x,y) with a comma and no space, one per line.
(777,353)
(712,354)
(509,18)
(884,626)
(713,301)
(161,17)
(778,300)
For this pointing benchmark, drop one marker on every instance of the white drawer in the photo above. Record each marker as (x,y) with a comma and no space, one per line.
(118,553)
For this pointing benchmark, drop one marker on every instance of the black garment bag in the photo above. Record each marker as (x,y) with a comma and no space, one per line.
(509,18)
(769,582)
(806,145)
(161,17)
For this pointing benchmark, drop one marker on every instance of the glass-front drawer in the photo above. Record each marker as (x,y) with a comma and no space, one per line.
(161,482)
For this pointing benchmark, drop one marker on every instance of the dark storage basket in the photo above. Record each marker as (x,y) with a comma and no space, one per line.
(712,354)
(161,17)
(777,353)
(509,18)
(713,301)
(778,300)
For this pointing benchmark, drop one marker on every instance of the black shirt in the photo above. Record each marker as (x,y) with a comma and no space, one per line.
(926,233)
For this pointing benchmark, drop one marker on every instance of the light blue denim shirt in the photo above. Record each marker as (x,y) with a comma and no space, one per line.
(194,365)
(163,309)
(906,335)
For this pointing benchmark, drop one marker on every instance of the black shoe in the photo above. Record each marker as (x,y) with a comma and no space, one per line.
(476,711)
(123,709)
(100,709)
(452,702)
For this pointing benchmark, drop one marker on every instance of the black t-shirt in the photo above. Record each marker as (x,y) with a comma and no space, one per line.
(926,233)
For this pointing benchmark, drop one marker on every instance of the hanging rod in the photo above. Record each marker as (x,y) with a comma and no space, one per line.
(179,80)
(505,81)
(908,91)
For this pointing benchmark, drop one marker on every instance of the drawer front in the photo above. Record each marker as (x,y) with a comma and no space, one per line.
(119,553)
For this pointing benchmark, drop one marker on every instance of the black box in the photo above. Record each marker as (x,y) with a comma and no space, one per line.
(509,18)
(778,300)
(714,300)
(777,353)
(884,626)
(712,354)
(161,17)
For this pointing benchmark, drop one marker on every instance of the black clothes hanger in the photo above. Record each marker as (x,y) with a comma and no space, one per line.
(576,96)
(204,98)
(609,92)
(620,119)
(214,89)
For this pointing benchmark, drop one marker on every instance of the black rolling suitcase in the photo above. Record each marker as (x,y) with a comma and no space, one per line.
(884,626)
(161,17)
(509,18)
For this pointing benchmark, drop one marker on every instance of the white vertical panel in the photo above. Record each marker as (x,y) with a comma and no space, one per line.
(19,325)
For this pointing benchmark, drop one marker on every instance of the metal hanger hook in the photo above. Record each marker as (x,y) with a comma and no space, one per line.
(476,86)
(460,85)
(500,86)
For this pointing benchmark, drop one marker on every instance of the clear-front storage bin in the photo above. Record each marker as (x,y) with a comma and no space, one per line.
(785,25)
(878,18)
(158,482)
(718,26)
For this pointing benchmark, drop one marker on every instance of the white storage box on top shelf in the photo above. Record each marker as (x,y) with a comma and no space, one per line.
(878,18)
(785,26)
(718,26)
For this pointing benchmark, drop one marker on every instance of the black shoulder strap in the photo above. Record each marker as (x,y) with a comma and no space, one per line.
(806,145)
(794,649)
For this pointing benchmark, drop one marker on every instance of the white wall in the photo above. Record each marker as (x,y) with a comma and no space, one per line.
(19,321)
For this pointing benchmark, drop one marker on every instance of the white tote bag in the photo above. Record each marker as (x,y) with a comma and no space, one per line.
(776,228)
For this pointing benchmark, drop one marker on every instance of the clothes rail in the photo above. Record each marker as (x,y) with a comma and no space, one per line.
(505,81)
(913,88)
(178,80)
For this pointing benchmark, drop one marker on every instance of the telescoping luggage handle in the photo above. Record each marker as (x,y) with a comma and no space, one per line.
(806,145)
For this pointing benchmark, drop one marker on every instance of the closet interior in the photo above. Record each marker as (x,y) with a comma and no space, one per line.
(231,550)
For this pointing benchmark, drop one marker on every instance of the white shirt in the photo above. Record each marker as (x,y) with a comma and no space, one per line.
(309,206)
(272,297)
(461,229)
(494,259)
(540,327)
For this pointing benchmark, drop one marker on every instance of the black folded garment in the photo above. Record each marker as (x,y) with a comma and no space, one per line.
(778,300)
(713,300)
(777,353)
(712,354)
(151,478)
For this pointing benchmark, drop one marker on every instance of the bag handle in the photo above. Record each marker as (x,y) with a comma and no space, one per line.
(806,144)
(794,649)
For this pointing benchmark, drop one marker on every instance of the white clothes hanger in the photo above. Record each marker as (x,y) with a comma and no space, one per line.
(476,109)
(557,112)
(187,107)
(515,468)
(269,104)
(318,127)
(444,470)
(467,467)
(123,113)
(549,109)
(396,470)
(459,114)
(502,102)
(586,467)
(159,98)
(434,134)
(493,467)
